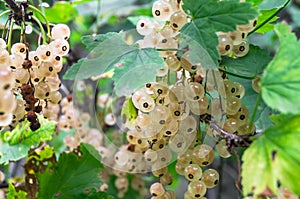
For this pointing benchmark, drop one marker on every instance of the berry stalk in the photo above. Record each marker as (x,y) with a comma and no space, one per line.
(14,7)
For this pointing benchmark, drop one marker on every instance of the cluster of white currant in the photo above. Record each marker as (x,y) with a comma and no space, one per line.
(169,116)
(71,118)
(162,37)
(236,117)
(33,77)
(236,41)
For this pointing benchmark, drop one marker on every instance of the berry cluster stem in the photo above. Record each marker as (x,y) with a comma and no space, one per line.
(4,13)
(41,28)
(43,16)
(11,26)
(14,7)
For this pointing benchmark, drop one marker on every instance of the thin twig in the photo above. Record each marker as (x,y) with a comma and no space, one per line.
(14,7)
(239,179)
(243,141)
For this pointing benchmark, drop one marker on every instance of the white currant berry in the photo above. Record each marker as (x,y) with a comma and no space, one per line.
(42,90)
(161,10)
(178,20)
(34,58)
(19,49)
(60,47)
(7,102)
(55,97)
(157,189)
(22,76)
(241,49)
(4,56)
(6,119)
(110,119)
(2,44)
(60,31)
(15,61)
(144,26)
(6,78)
(45,52)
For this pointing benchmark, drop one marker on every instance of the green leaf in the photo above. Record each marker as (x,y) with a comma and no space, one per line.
(139,67)
(281,80)
(269,4)
(132,66)
(18,141)
(91,42)
(250,65)
(266,15)
(93,194)
(105,52)
(129,113)
(2,6)
(61,12)
(280,118)
(255,2)
(72,176)
(13,193)
(209,17)
(274,157)
(12,152)
(23,134)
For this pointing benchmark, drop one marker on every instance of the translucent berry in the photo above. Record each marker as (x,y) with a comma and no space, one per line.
(121,157)
(161,10)
(221,148)
(173,63)
(60,31)
(225,44)
(4,56)
(194,91)
(7,102)
(165,180)
(241,49)
(6,78)
(19,49)
(42,90)
(203,155)
(178,20)
(210,178)
(34,58)
(45,52)
(144,26)
(2,44)
(193,172)
(60,47)
(197,189)
(157,189)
